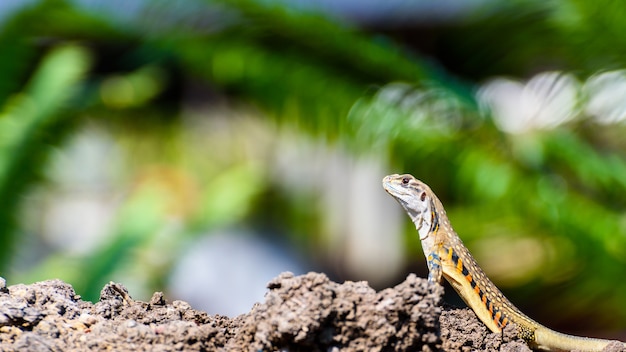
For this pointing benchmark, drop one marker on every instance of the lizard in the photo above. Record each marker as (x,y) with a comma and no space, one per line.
(447,257)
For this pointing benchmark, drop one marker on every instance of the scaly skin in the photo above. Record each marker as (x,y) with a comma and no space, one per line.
(448,257)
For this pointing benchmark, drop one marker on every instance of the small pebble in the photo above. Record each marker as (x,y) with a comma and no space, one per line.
(3,285)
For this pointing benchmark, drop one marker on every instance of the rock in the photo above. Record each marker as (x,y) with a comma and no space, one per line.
(307,312)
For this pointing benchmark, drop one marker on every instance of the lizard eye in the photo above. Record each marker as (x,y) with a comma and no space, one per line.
(423,196)
(405,180)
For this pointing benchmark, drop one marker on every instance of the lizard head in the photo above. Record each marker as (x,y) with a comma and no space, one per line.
(416,198)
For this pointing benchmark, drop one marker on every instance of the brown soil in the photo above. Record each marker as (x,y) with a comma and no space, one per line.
(300,313)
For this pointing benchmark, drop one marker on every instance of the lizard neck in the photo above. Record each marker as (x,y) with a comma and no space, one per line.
(428,225)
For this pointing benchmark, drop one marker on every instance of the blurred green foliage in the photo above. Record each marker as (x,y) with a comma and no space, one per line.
(563,189)
(29,121)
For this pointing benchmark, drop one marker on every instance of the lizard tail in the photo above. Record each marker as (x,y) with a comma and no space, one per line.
(550,340)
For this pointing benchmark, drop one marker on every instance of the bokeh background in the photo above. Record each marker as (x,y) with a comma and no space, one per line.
(203,147)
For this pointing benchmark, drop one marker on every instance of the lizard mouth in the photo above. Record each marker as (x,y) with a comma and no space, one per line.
(395,192)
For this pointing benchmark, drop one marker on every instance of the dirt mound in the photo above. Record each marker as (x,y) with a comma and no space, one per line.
(300,313)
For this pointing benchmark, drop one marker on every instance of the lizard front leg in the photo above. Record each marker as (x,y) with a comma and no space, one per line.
(435,272)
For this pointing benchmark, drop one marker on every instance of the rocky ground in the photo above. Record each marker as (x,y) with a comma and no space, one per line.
(300,313)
